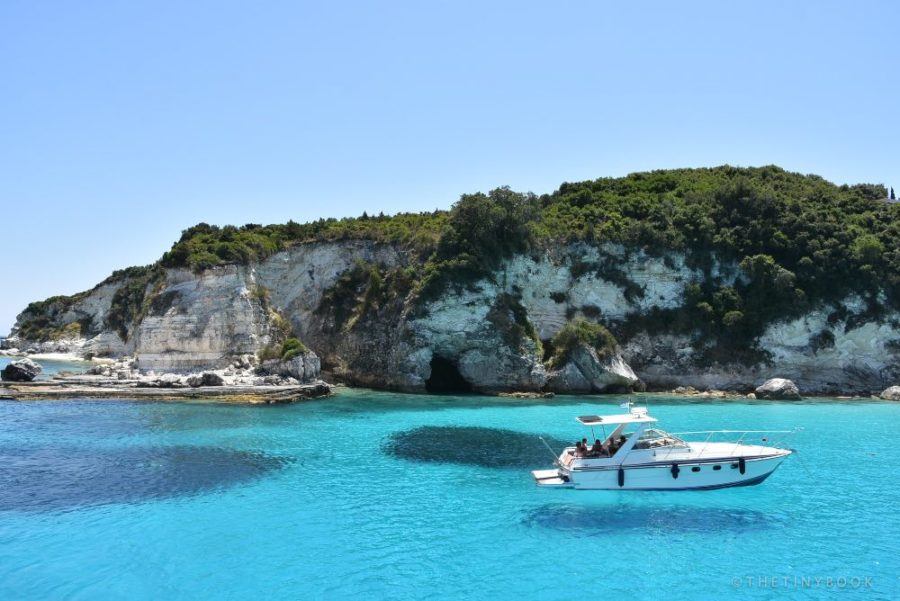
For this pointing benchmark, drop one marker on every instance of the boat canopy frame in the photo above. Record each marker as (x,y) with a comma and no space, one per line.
(637,416)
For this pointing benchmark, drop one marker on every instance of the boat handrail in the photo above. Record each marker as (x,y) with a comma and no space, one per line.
(734,432)
(740,440)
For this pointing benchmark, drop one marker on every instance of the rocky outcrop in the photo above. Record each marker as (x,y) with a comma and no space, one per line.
(892,393)
(585,372)
(778,389)
(303,368)
(24,370)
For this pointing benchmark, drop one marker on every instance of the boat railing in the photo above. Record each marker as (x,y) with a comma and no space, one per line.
(742,438)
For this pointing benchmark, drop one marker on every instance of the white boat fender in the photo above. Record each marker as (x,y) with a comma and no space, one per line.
(621,477)
(742,465)
(675,470)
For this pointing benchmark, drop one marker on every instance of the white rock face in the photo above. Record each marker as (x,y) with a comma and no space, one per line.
(544,289)
(91,310)
(298,278)
(859,357)
(550,292)
(107,344)
(201,321)
(458,329)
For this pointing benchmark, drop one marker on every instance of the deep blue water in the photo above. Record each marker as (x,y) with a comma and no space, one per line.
(375,495)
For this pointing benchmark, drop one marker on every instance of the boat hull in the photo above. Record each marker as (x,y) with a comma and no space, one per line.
(691,475)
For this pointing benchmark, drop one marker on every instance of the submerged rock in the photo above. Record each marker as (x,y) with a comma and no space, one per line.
(527,395)
(686,390)
(24,370)
(778,389)
(891,393)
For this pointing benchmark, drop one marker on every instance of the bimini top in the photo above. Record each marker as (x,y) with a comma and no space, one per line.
(638,415)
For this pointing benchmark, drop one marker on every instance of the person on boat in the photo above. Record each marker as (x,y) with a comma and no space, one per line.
(579,449)
(607,448)
(597,449)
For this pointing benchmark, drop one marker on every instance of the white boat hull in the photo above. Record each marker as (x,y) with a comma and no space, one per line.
(696,474)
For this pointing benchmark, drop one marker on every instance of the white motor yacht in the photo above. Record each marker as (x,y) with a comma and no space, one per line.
(636,455)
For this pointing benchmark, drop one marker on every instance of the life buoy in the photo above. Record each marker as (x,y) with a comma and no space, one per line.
(742,465)
(675,470)
(621,477)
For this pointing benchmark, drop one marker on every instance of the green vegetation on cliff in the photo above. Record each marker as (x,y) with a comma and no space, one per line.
(833,239)
(131,300)
(577,332)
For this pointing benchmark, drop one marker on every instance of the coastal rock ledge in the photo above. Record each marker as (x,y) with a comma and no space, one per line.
(778,389)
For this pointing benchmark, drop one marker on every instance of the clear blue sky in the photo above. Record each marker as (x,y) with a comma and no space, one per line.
(122,123)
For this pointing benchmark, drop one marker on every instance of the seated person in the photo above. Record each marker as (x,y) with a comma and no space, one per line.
(597,449)
(607,448)
(579,449)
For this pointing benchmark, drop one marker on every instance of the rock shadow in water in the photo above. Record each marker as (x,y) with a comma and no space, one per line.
(484,447)
(51,479)
(598,520)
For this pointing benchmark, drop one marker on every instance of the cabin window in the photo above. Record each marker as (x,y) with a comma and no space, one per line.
(717,467)
(653,438)
(696,468)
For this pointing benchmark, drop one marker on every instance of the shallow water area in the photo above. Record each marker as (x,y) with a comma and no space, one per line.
(51,367)
(379,495)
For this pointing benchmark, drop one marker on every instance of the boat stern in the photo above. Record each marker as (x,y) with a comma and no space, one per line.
(551,479)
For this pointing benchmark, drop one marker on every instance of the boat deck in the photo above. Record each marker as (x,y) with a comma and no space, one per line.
(550,478)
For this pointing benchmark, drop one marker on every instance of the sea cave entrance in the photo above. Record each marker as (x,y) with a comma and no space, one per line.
(445,377)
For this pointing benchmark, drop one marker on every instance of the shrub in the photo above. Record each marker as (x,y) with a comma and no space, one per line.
(128,304)
(732,319)
(291,348)
(577,332)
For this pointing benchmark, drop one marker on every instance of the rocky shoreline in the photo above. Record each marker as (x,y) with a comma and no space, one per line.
(67,389)
(247,380)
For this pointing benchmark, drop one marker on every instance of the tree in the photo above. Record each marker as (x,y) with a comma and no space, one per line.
(867,248)
(892,194)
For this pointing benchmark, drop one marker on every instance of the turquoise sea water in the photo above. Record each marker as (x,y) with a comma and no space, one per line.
(376,495)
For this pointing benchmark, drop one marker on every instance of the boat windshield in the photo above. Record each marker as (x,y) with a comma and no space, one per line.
(653,438)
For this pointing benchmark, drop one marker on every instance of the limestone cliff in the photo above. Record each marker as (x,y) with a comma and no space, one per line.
(490,336)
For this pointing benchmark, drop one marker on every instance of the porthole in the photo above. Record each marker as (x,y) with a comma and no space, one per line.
(696,468)
(717,467)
